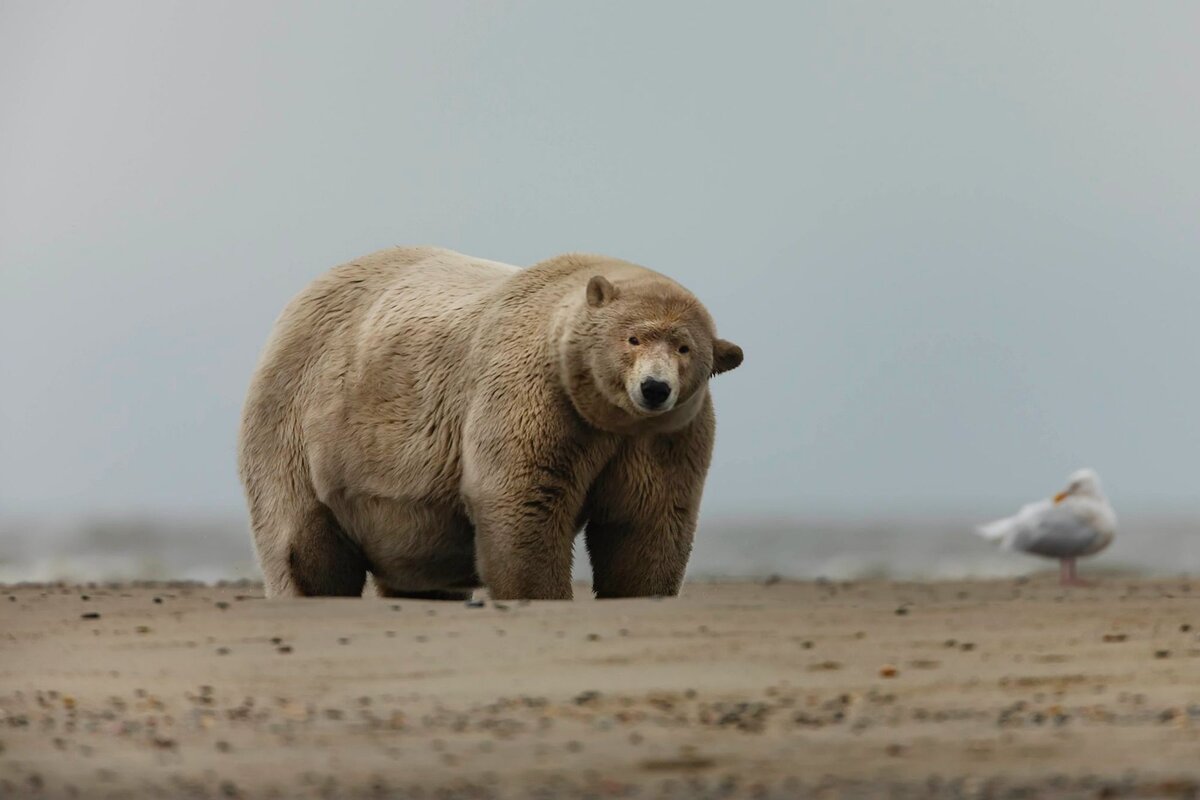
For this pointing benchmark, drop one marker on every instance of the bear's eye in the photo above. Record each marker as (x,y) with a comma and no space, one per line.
(633,340)
(683,348)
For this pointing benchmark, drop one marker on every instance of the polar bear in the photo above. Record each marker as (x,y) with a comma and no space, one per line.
(445,422)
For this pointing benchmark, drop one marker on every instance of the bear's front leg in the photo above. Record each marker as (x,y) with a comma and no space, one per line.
(524,490)
(642,512)
(523,552)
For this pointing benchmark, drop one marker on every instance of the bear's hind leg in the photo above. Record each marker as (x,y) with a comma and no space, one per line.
(312,558)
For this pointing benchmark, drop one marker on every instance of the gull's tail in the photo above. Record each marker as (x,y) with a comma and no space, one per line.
(997,531)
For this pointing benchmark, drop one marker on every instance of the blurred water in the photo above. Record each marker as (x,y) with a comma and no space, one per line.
(939,547)
(148,548)
(125,548)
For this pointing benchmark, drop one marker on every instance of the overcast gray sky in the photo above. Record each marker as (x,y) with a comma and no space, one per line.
(958,241)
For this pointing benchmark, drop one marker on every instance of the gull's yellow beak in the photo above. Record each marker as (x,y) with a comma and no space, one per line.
(1058,498)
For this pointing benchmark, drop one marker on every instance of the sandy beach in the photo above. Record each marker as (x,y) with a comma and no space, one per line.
(1012,688)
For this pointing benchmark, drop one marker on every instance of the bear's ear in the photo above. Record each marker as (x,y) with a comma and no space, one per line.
(600,292)
(726,356)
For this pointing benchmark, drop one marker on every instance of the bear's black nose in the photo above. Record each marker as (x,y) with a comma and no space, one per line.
(655,392)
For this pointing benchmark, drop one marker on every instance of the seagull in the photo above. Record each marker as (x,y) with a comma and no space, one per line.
(1077,522)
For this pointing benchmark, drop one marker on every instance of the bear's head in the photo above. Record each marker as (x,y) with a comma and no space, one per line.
(648,348)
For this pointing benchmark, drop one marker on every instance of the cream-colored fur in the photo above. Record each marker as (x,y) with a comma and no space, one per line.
(446,422)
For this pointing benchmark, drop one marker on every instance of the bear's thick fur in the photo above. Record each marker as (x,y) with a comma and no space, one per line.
(446,422)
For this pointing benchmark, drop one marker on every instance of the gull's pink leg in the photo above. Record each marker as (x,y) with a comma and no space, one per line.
(1067,575)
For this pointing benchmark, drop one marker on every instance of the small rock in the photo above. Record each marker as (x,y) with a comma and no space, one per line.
(888,671)
(474,604)
(1162,653)
(284,648)
(90,615)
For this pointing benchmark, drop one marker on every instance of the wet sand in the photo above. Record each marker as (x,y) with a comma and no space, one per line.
(868,689)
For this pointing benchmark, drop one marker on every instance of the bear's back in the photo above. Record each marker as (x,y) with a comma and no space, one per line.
(353,309)
(366,362)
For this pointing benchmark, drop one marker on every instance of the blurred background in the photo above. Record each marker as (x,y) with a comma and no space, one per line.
(958,243)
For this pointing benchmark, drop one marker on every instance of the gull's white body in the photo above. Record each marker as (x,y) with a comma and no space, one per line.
(1078,522)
